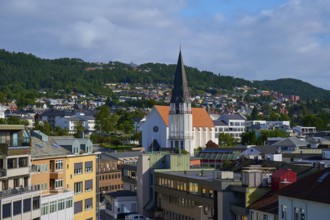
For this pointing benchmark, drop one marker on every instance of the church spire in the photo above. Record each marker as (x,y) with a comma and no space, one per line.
(180,92)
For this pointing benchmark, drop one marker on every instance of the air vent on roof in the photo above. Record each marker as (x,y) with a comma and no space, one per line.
(324,175)
(56,145)
(39,145)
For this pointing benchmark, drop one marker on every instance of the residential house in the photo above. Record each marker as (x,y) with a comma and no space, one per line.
(290,144)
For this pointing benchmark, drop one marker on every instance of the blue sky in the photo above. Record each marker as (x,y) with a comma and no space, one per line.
(250,39)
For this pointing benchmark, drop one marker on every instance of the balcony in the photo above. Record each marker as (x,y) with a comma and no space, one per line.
(16,191)
(19,146)
(56,175)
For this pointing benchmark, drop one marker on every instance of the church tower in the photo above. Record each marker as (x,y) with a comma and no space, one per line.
(180,116)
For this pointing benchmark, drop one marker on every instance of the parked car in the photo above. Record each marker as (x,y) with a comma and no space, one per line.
(136,217)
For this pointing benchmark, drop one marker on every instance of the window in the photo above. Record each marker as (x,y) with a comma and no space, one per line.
(193,188)
(284,211)
(11,163)
(78,168)
(17,207)
(78,187)
(88,185)
(295,213)
(302,214)
(77,207)
(36,168)
(36,203)
(44,209)
(26,205)
(59,165)
(53,206)
(88,203)
(6,210)
(265,217)
(58,184)
(61,204)
(89,166)
(68,202)
(23,162)
(44,168)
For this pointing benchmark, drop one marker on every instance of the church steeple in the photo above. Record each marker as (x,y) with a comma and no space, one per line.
(180,92)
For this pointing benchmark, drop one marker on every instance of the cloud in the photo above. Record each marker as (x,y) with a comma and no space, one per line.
(290,39)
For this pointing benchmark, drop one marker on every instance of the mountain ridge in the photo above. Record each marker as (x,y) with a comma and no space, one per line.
(26,71)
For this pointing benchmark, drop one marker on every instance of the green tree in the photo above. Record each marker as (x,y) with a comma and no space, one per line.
(103,119)
(226,140)
(249,138)
(79,129)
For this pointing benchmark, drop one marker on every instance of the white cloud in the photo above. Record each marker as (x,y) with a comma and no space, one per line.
(290,40)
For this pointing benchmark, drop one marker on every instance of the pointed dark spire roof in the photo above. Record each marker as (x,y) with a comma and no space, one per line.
(180,92)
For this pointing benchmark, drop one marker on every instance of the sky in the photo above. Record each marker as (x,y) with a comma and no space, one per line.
(250,39)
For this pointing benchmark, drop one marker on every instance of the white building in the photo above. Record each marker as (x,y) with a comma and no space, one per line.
(123,201)
(178,126)
(70,123)
(57,206)
(232,124)
(303,131)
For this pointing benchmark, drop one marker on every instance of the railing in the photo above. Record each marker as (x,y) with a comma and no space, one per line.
(15,147)
(16,191)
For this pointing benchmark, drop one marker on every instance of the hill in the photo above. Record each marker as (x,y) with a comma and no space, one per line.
(23,74)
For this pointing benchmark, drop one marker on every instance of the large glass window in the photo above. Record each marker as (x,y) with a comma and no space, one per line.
(26,205)
(36,203)
(17,207)
(23,162)
(6,210)
(11,163)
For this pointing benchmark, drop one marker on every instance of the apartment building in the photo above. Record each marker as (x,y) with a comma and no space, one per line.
(66,178)
(17,199)
(232,124)
(109,175)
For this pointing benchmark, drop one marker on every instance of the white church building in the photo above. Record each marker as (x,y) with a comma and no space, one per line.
(178,126)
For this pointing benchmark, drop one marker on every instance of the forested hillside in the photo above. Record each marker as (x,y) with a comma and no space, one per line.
(24,74)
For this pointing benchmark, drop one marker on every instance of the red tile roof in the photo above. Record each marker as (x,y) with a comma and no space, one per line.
(200,117)
(315,187)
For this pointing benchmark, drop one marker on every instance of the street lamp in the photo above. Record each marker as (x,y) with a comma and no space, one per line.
(201,207)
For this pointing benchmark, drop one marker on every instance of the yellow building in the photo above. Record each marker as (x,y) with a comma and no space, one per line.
(59,174)
(81,178)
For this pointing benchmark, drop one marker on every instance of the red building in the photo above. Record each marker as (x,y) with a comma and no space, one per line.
(281,178)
